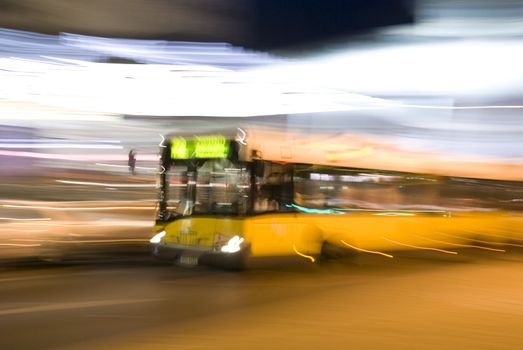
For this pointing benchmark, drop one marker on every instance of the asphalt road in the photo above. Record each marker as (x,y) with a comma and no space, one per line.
(472,301)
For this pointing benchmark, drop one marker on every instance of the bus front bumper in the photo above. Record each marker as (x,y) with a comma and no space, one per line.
(194,255)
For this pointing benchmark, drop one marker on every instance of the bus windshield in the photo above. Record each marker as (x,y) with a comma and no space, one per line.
(214,186)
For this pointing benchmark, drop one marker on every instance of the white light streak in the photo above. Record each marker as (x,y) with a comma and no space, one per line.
(57,145)
(74,208)
(104,184)
(242,137)
(125,166)
(76,157)
(56,141)
(401,105)
(79,241)
(161,143)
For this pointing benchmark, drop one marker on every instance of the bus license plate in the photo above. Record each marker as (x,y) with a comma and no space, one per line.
(188,260)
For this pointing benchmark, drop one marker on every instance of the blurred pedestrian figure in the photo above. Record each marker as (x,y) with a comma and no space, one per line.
(132,161)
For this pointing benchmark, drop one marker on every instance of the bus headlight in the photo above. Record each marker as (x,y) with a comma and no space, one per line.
(233,245)
(157,238)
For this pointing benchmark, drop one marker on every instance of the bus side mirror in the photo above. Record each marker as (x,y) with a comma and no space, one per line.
(259,168)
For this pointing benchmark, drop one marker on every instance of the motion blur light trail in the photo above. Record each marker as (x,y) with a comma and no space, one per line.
(104,184)
(79,157)
(487,242)
(77,105)
(303,255)
(419,247)
(70,47)
(68,81)
(82,123)
(473,246)
(57,146)
(180,72)
(366,251)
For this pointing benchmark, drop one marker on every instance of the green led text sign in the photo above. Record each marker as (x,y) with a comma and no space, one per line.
(200,147)
(180,148)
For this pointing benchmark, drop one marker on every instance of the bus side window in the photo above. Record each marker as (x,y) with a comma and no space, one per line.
(307,190)
(274,189)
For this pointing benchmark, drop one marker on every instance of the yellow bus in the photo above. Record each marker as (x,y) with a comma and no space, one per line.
(228,197)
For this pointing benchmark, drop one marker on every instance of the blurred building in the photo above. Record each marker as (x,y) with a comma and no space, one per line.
(12,160)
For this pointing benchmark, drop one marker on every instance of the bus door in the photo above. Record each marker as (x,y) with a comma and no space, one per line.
(222,188)
(275,229)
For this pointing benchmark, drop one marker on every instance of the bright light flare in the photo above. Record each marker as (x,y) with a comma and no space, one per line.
(233,245)
(157,238)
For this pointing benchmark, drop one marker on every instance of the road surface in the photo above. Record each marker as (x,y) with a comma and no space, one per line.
(416,301)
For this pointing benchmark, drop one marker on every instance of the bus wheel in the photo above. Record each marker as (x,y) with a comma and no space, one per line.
(331,251)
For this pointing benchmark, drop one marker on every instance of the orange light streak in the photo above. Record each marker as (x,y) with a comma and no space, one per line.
(482,241)
(303,255)
(465,245)
(418,247)
(366,251)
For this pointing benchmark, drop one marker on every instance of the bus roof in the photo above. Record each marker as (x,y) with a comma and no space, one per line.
(344,149)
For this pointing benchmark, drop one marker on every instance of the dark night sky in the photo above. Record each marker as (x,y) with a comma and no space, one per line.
(258,23)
